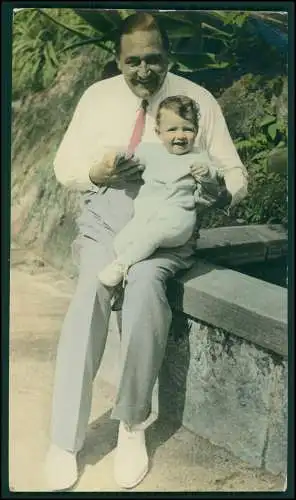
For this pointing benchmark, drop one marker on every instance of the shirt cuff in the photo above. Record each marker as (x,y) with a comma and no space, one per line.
(237,185)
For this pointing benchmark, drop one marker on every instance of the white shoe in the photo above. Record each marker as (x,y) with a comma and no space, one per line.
(61,471)
(112,274)
(131,459)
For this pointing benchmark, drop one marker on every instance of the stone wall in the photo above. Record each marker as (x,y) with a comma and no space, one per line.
(222,388)
(232,393)
(224,375)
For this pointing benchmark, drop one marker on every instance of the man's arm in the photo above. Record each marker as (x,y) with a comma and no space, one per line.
(80,146)
(82,160)
(221,148)
(115,167)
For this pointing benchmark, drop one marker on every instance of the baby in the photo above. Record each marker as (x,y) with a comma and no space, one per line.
(176,178)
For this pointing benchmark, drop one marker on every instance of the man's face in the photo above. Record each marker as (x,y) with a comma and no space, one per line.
(143,62)
(177,134)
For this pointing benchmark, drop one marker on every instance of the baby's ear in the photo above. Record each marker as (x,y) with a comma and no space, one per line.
(156,130)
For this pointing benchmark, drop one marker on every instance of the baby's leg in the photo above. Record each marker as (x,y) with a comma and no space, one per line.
(141,237)
(115,272)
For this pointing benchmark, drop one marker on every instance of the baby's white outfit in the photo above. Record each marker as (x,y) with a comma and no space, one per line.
(164,209)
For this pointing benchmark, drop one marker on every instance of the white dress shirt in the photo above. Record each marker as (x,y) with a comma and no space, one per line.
(104,119)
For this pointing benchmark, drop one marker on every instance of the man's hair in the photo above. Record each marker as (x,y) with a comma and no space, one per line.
(183,106)
(141,21)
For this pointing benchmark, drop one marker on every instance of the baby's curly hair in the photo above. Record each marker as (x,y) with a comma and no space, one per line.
(183,106)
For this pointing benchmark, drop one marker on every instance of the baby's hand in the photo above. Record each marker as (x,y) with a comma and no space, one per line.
(198,171)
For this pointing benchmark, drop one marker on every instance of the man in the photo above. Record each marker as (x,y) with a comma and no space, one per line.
(103,123)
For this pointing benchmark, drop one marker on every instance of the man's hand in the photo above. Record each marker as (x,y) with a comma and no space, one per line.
(129,168)
(199,171)
(115,168)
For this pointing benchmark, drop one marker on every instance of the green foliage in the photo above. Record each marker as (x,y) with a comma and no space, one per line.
(255,109)
(37,45)
(267,197)
(250,109)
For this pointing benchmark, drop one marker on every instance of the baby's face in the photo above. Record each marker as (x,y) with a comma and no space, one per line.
(176,133)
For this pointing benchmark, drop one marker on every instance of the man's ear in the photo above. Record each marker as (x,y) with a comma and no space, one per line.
(156,130)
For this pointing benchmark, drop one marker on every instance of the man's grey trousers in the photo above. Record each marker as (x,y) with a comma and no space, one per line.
(146,319)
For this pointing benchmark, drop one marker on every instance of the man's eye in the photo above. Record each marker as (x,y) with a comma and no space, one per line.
(187,129)
(153,60)
(133,62)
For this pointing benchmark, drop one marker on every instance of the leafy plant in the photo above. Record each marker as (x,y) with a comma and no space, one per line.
(270,137)
(267,197)
(37,45)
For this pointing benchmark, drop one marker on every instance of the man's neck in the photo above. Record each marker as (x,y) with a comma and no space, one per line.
(157,96)
(152,100)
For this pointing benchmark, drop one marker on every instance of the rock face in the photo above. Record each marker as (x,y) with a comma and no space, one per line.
(43,213)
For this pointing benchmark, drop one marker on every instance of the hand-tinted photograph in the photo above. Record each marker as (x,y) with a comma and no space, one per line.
(148,336)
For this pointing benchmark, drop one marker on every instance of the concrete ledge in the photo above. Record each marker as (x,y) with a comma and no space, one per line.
(245,306)
(242,244)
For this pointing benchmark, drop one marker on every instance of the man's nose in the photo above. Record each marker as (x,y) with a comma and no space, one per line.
(143,69)
(180,134)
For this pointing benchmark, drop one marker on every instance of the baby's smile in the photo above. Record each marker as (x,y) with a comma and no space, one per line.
(180,146)
(180,142)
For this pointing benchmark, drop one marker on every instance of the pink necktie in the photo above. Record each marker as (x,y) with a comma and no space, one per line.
(138,128)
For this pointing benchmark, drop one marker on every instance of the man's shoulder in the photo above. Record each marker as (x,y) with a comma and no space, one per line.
(108,85)
(182,85)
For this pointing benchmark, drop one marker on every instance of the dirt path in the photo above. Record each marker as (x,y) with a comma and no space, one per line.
(184,462)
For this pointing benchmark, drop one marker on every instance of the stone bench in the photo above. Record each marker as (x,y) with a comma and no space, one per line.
(224,376)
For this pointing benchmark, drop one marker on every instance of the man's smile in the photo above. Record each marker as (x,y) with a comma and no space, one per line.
(144,81)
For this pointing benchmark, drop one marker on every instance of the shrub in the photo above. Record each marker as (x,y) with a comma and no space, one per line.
(255,109)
